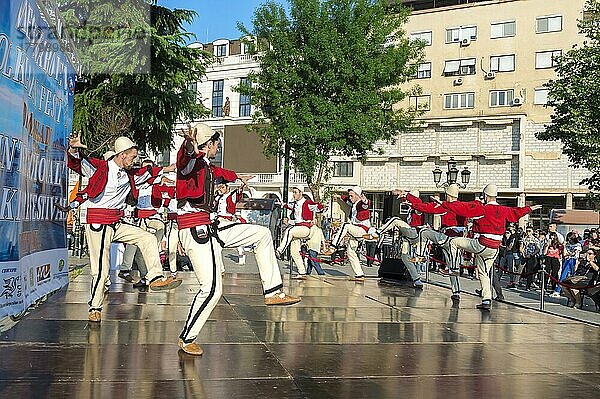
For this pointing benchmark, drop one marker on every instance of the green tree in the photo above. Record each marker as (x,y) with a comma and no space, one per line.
(329,79)
(575,96)
(135,61)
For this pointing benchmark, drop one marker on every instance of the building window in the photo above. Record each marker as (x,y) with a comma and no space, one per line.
(221,50)
(459,100)
(541,96)
(501,98)
(244,99)
(502,63)
(503,29)
(455,35)
(547,59)
(548,24)
(424,36)
(460,67)
(217,98)
(343,169)
(423,71)
(421,103)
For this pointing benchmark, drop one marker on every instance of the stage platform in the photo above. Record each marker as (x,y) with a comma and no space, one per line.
(344,340)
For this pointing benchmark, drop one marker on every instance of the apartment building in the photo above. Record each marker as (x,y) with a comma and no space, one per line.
(483,101)
(482,97)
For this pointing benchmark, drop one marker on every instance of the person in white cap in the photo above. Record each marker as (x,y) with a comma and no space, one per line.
(106,194)
(227,201)
(203,239)
(489,225)
(146,216)
(356,229)
(300,222)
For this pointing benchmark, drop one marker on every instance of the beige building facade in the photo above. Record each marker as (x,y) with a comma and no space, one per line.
(481,90)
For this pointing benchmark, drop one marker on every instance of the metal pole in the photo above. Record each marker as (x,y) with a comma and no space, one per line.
(286,188)
(543,288)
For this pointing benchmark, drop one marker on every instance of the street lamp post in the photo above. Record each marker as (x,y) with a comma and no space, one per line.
(451,175)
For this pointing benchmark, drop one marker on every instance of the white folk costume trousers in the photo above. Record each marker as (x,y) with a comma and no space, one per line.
(100,236)
(354,234)
(484,260)
(293,237)
(151,225)
(203,246)
(172,233)
(452,258)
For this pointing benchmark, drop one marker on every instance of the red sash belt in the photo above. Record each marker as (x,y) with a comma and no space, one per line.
(104,216)
(189,220)
(145,213)
(488,242)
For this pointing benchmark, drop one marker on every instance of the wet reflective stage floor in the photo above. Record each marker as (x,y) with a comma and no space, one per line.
(344,340)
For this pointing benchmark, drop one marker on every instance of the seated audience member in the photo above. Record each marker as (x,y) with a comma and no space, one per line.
(585,275)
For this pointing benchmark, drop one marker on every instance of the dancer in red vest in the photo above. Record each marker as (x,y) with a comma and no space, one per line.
(227,201)
(107,191)
(300,223)
(147,217)
(489,225)
(202,239)
(359,226)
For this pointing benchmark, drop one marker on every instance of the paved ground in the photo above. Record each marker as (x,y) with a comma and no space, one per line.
(344,340)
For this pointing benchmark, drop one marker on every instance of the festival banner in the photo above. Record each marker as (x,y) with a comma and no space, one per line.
(36,98)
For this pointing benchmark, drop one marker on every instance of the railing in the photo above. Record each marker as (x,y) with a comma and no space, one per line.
(236,59)
(277,178)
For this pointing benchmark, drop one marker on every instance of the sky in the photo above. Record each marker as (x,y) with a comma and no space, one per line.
(217,19)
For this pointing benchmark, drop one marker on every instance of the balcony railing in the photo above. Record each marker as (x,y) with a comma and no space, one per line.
(236,59)
(277,178)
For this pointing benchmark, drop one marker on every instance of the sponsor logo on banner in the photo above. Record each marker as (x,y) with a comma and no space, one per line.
(61,265)
(11,289)
(43,273)
(10,270)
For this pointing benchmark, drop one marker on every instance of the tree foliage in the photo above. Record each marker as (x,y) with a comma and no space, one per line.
(575,96)
(329,79)
(137,62)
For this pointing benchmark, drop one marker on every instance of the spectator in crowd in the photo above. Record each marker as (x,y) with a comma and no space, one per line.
(552,229)
(511,260)
(570,259)
(553,255)
(586,275)
(530,248)
(314,244)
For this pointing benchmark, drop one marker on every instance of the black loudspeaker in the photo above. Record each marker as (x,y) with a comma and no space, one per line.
(393,269)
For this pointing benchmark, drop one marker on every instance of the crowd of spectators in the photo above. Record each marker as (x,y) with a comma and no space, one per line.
(569,262)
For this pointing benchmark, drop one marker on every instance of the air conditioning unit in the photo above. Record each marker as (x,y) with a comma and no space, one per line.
(457,81)
(490,75)
(517,101)
(465,42)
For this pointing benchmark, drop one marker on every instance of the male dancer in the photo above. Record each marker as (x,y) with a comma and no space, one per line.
(145,216)
(226,203)
(202,239)
(301,219)
(360,224)
(489,224)
(108,188)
